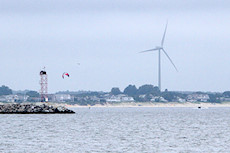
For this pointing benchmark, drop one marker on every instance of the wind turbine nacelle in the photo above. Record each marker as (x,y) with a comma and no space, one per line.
(159,47)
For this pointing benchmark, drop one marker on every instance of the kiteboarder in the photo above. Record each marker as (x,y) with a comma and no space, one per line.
(65,74)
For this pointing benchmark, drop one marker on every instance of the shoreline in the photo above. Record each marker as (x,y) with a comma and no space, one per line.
(149,104)
(141,104)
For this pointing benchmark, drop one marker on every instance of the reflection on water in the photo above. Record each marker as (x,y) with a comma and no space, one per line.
(118,130)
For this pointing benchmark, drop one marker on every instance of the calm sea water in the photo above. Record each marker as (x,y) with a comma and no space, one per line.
(118,130)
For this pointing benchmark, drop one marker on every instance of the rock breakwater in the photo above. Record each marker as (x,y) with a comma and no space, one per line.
(33,108)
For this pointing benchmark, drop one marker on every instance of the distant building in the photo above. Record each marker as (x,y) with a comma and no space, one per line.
(14,98)
(142,96)
(127,99)
(180,100)
(23,98)
(63,98)
(198,98)
(94,98)
(158,99)
(120,98)
(2,99)
(155,99)
(225,99)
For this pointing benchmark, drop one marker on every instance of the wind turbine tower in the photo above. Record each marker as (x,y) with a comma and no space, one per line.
(160,49)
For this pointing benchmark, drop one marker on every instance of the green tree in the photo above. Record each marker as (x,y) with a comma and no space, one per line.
(214,98)
(156,91)
(145,89)
(226,94)
(148,89)
(32,94)
(4,90)
(169,96)
(115,91)
(131,90)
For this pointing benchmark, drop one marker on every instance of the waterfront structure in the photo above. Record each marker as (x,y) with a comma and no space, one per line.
(44,86)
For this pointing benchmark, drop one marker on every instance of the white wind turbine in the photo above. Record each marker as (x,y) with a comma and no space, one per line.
(159,49)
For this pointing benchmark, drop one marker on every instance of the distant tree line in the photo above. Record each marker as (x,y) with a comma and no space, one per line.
(150,90)
(141,94)
(147,90)
(131,90)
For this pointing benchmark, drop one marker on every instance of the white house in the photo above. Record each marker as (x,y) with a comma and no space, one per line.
(198,97)
(63,97)
(120,98)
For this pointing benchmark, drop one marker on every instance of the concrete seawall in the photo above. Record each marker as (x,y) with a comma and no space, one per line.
(33,108)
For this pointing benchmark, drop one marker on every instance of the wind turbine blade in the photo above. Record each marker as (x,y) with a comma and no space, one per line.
(149,50)
(170,59)
(163,38)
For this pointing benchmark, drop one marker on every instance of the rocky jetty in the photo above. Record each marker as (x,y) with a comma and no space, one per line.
(33,108)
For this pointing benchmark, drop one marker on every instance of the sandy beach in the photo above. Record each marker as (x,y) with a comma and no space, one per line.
(149,104)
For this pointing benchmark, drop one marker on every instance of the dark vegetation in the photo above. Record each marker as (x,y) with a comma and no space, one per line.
(4,90)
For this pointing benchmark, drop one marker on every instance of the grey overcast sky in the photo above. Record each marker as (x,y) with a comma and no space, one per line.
(105,37)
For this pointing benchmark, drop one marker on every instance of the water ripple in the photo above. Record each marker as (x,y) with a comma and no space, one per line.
(118,130)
